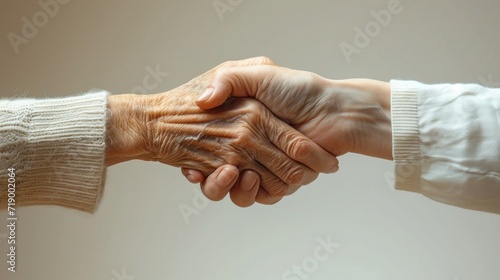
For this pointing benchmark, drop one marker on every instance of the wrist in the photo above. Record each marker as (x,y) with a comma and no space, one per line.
(367,105)
(377,91)
(123,128)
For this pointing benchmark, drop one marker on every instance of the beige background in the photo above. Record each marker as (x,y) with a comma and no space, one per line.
(139,233)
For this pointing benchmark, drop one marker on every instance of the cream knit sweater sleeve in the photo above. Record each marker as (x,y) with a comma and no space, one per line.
(56,148)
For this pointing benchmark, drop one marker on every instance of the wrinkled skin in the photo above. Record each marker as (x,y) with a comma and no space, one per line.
(241,135)
(340,116)
(335,114)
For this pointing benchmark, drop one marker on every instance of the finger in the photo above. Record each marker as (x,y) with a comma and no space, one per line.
(218,184)
(234,81)
(297,149)
(251,149)
(264,197)
(193,176)
(302,149)
(245,189)
(279,173)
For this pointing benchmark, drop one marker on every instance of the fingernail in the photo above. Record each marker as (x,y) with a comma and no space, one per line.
(190,178)
(226,176)
(249,187)
(205,95)
(334,168)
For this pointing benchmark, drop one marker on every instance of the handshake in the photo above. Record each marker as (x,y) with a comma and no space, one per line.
(252,129)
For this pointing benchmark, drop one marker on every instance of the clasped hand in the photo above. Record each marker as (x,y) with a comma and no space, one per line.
(241,135)
(340,116)
(282,128)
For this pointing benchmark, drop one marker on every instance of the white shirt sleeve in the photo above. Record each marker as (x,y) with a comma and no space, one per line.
(446,142)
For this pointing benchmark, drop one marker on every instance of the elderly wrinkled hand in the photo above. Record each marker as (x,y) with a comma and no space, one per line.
(340,116)
(170,128)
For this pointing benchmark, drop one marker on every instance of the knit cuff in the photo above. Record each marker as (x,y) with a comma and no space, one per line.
(405,135)
(57,148)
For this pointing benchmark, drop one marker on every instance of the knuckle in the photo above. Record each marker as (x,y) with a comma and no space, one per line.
(252,112)
(220,72)
(243,136)
(228,63)
(253,106)
(296,176)
(235,159)
(244,147)
(264,60)
(300,149)
(273,187)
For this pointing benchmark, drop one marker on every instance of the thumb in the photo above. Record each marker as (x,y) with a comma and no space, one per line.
(234,81)
(212,98)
